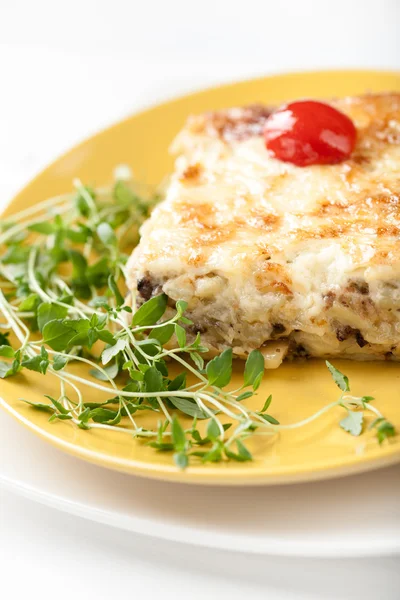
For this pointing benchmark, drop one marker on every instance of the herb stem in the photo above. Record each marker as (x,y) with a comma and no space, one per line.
(163,408)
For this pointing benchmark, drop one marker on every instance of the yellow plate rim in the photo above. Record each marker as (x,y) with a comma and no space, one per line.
(205,474)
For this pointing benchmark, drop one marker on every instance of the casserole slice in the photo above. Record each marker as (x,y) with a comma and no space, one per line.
(295,261)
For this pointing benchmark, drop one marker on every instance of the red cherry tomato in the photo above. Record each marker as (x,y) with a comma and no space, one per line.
(309,133)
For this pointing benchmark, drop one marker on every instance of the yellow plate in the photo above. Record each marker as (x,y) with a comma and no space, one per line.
(317,451)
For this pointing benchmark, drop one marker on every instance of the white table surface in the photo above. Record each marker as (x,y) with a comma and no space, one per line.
(70,68)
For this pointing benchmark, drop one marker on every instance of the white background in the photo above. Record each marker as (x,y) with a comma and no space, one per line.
(71,67)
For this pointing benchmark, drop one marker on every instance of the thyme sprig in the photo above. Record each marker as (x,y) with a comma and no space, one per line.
(62,296)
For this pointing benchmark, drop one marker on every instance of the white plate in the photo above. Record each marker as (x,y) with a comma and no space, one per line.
(353,517)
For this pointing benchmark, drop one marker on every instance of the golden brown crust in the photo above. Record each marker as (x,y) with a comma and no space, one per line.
(368,200)
(192,174)
(231,124)
(364,197)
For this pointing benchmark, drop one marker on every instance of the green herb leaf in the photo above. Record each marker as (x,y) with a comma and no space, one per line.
(38,363)
(136,376)
(353,422)
(97,273)
(112,351)
(198,360)
(267,404)
(129,409)
(153,380)
(367,399)
(103,415)
(181,307)
(185,320)
(179,383)
(268,418)
(78,235)
(162,334)
(106,234)
(59,362)
(106,336)
(79,264)
(29,303)
(161,366)
(200,453)
(198,439)
(81,202)
(115,290)
(180,335)
(61,417)
(243,454)
(49,312)
(244,396)
(58,405)
(215,454)
(257,381)
(181,460)
(15,255)
(161,446)
(219,369)
(39,406)
(7,369)
(6,351)
(188,407)
(255,366)
(84,334)
(100,302)
(161,428)
(111,370)
(151,311)
(178,435)
(384,429)
(85,415)
(45,227)
(4,341)
(92,405)
(98,321)
(342,381)
(127,197)
(57,335)
(213,431)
